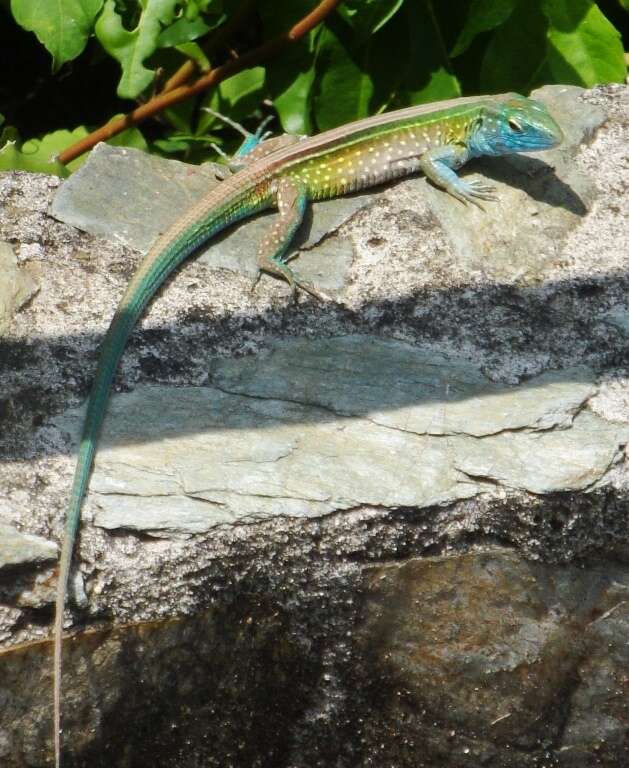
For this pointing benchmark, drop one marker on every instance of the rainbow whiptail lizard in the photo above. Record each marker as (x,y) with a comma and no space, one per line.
(435,139)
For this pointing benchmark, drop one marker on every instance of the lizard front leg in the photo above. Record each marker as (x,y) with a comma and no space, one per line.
(291,198)
(439,165)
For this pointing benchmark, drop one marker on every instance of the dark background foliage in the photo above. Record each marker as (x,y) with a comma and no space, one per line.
(367,56)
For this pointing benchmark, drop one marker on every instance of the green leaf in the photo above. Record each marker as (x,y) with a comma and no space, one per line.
(291,76)
(182,31)
(13,159)
(293,104)
(483,16)
(427,70)
(237,98)
(131,48)
(194,52)
(182,116)
(216,8)
(290,83)
(171,146)
(366,17)
(63,27)
(38,155)
(131,137)
(584,47)
(206,120)
(624,4)
(516,56)
(345,88)
(360,78)
(242,93)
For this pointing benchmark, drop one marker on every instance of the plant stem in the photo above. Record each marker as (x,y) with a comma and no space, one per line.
(213,77)
(189,68)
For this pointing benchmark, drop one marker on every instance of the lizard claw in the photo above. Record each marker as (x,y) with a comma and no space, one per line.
(472,192)
(255,282)
(309,288)
(479,189)
(320,295)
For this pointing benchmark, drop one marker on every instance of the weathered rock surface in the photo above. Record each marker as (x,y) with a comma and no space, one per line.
(391,531)
(167,189)
(314,427)
(17,286)
(21,549)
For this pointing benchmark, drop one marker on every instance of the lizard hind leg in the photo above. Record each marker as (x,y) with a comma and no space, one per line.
(254,146)
(291,198)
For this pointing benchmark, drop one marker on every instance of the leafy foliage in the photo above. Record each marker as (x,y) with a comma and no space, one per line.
(368,56)
(39,155)
(132,47)
(580,41)
(63,27)
(36,155)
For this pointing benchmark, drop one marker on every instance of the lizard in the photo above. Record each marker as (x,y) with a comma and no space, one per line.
(436,139)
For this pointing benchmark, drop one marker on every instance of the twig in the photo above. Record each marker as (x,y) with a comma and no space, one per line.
(213,77)
(187,70)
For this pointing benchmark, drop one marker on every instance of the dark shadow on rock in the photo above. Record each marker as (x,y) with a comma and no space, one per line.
(565,321)
(535,177)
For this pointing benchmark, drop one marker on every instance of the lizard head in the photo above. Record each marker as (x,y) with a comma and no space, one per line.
(515,124)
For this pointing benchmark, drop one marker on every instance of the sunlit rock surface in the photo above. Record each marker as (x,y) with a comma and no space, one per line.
(388,531)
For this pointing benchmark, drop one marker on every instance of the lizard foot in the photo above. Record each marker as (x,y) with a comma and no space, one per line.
(472,191)
(296,285)
(478,188)
(309,288)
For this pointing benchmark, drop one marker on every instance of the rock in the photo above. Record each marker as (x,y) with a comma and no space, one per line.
(469,649)
(597,718)
(321,426)
(551,461)
(25,578)
(399,386)
(17,286)
(19,549)
(137,182)
(390,530)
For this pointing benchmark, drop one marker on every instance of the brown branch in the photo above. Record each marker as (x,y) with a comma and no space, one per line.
(213,77)
(189,69)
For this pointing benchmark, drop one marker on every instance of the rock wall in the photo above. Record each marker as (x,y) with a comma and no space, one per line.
(389,530)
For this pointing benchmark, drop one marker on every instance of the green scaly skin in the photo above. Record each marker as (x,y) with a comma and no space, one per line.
(435,139)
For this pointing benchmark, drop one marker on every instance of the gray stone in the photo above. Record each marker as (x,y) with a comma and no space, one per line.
(17,286)
(20,549)
(317,427)
(537,218)
(387,533)
(133,197)
(620,318)
(128,195)
(400,386)
(596,721)
(158,515)
(480,677)
(556,460)
(255,458)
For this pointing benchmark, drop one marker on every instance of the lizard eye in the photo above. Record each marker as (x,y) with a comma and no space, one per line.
(514,125)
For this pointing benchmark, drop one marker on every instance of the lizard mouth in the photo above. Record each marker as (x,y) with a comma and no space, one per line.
(545,140)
